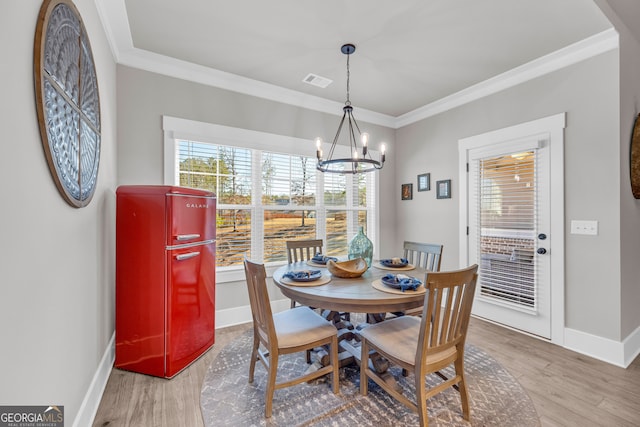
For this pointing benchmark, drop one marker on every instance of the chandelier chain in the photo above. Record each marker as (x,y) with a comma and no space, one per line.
(348,102)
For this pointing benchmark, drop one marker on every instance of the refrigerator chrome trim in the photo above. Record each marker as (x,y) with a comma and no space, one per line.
(190,195)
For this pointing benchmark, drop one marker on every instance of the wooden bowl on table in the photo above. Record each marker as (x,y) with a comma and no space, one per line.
(347,269)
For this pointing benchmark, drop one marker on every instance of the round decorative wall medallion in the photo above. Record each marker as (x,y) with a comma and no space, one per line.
(635,159)
(67,100)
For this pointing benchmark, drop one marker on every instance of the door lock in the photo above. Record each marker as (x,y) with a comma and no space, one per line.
(541,251)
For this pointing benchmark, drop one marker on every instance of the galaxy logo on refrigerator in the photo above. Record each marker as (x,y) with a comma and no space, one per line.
(197,205)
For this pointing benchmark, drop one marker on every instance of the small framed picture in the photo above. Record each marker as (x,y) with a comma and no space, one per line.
(424,182)
(407,191)
(443,189)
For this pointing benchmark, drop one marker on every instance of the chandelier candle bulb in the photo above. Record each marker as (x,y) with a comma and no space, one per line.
(319,148)
(365,140)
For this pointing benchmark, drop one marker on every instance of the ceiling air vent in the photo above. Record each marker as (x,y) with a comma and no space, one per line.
(316,80)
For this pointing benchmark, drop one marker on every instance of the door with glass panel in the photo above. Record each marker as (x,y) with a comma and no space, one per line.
(509,219)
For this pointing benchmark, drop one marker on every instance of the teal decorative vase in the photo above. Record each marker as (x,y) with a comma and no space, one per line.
(361,247)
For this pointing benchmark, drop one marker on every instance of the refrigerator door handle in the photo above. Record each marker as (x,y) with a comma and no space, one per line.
(182,257)
(181,237)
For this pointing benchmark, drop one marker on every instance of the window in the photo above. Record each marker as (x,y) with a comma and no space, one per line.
(507,225)
(227,172)
(507,191)
(267,195)
(289,191)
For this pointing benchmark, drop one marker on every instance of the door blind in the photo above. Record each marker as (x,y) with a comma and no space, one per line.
(506,220)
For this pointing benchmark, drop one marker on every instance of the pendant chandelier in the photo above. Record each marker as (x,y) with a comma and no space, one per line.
(357,163)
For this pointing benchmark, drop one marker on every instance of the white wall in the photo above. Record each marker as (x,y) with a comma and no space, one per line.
(56,262)
(588,92)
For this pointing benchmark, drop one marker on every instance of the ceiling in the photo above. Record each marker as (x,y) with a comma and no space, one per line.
(409,53)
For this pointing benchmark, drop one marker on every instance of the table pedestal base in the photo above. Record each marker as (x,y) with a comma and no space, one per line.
(349,350)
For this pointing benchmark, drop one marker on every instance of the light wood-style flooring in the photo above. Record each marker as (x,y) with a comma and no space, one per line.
(567,388)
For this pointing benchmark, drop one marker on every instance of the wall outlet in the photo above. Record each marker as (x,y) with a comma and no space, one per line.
(584,227)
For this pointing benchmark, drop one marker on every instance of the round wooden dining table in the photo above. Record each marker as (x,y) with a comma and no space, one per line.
(355,295)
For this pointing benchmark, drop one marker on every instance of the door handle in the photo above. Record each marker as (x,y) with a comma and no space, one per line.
(182,237)
(541,251)
(182,257)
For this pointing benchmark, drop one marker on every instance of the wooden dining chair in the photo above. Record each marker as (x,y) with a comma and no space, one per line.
(302,250)
(426,345)
(291,331)
(424,255)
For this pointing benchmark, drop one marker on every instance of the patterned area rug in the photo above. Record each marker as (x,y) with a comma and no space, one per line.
(227,398)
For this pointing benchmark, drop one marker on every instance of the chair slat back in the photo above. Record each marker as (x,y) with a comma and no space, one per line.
(424,255)
(447,309)
(259,301)
(303,250)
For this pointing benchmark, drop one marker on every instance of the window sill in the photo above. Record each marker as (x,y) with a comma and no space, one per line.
(236,274)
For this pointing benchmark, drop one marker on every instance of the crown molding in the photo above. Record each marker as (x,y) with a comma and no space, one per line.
(113,14)
(572,54)
(161,64)
(115,21)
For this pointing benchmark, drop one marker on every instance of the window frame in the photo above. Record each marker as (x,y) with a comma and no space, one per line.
(175,129)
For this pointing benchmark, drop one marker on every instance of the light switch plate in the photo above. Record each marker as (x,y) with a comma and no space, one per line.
(584,227)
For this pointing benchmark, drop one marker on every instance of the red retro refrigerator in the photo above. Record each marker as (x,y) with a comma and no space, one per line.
(165,277)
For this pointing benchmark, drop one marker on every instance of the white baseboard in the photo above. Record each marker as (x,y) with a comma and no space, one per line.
(608,350)
(631,346)
(91,402)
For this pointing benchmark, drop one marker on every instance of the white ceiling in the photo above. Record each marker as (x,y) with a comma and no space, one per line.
(409,53)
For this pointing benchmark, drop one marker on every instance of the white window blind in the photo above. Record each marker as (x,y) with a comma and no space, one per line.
(289,199)
(288,180)
(223,170)
(506,218)
(335,189)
